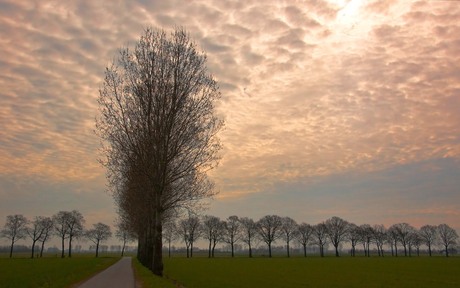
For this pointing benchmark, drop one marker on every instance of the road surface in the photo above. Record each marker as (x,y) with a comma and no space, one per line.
(119,275)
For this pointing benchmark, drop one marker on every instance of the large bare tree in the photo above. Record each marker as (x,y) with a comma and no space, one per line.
(36,231)
(158,126)
(212,230)
(15,229)
(190,232)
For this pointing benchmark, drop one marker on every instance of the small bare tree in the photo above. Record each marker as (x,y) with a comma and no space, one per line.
(47,225)
(320,237)
(447,236)
(212,230)
(379,236)
(269,229)
(248,232)
(429,235)
(100,232)
(75,222)
(354,237)
(124,234)
(288,231)
(304,235)
(15,229)
(35,231)
(337,230)
(169,233)
(232,228)
(190,232)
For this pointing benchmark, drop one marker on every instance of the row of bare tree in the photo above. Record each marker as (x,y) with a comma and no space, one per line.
(67,225)
(335,231)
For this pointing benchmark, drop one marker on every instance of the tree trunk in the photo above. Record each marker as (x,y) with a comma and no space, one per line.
(287,248)
(11,248)
(336,250)
(123,248)
(209,250)
(169,249)
(270,250)
(62,251)
(191,250)
(447,251)
(33,248)
(70,246)
(250,250)
(41,250)
(233,253)
(429,249)
(304,250)
(157,267)
(97,248)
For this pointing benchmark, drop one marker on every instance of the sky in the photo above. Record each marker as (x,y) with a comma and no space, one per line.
(344,108)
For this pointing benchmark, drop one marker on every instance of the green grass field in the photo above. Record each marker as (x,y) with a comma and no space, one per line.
(315,272)
(50,272)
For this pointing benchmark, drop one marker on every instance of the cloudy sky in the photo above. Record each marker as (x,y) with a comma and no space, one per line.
(332,107)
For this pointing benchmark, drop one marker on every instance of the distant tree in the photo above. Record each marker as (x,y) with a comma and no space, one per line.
(124,234)
(415,240)
(232,229)
(393,238)
(190,231)
(169,233)
(404,232)
(269,229)
(320,237)
(304,235)
(100,232)
(366,233)
(288,231)
(212,230)
(354,236)
(15,229)
(47,224)
(248,232)
(337,230)
(75,223)
(60,220)
(447,236)
(379,236)
(36,231)
(429,235)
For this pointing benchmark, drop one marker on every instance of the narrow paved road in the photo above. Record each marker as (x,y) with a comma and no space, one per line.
(119,275)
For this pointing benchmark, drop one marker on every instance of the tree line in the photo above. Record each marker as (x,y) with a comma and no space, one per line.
(66,225)
(335,231)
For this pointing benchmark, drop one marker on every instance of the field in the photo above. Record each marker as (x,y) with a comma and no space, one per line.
(50,271)
(315,272)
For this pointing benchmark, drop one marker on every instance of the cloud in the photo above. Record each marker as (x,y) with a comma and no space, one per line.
(311,90)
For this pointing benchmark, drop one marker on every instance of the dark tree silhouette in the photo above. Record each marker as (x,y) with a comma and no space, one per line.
(169,233)
(269,229)
(99,233)
(232,228)
(429,235)
(36,231)
(47,225)
(189,229)
(15,229)
(124,233)
(337,230)
(75,222)
(403,231)
(354,236)
(447,237)
(212,230)
(288,231)
(304,235)
(366,233)
(379,236)
(320,237)
(157,119)
(248,232)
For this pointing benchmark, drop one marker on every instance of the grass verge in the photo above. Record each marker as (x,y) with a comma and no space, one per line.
(50,272)
(145,278)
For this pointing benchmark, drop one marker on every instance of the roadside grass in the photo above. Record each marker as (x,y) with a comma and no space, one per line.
(50,271)
(145,277)
(313,272)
